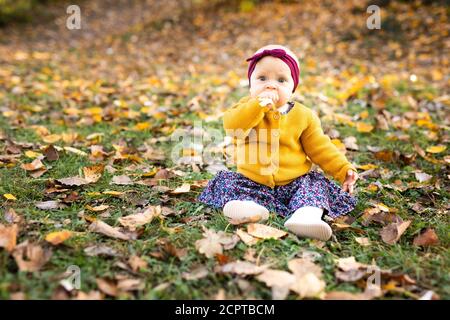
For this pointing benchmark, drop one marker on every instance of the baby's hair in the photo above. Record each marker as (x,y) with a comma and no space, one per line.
(279,46)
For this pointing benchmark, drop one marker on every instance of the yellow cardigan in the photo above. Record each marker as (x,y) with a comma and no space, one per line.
(275,149)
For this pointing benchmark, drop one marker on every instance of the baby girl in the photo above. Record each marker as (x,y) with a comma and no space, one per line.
(280,178)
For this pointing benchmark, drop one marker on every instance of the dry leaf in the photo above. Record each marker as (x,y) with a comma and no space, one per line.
(242,268)
(8,237)
(136,263)
(186,187)
(107,287)
(58,237)
(30,256)
(214,243)
(134,221)
(422,176)
(392,232)
(103,228)
(50,153)
(363,241)
(34,165)
(246,238)
(73,181)
(279,281)
(48,205)
(99,208)
(196,273)
(122,180)
(426,238)
(264,232)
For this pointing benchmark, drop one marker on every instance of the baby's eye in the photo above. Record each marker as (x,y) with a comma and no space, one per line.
(262,78)
(281,80)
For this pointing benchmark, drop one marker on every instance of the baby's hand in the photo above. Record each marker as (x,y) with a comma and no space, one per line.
(350,181)
(268,98)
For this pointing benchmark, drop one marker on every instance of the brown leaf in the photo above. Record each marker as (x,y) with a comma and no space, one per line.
(242,268)
(246,238)
(73,181)
(107,287)
(30,256)
(8,237)
(122,180)
(137,263)
(426,238)
(48,205)
(134,221)
(196,273)
(392,232)
(50,153)
(264,232)
(93,173)
(215,242)
(34,165)
(103,228)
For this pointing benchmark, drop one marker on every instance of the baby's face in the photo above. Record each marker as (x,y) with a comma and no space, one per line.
(272,75)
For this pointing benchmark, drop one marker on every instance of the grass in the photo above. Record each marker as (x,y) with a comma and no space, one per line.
(427,266)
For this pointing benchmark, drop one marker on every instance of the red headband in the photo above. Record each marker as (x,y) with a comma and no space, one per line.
(278,53)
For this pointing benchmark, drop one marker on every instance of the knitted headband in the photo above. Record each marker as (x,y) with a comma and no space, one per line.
(277,53)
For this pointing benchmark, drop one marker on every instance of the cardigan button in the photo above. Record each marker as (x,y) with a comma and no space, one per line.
(276,116)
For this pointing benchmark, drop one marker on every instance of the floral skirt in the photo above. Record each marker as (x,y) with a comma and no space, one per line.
(311,189)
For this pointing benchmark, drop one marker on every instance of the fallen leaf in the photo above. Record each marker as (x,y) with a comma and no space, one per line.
(136,263)
(279,281)
(422,176)
(104,228)
(8,237)
(73,181)
(9,196)
(107,286)
(185,187)
(122,180)
(34,165)
(363,241)
(196,273)
(264,232)
(436,149)
(215,242)
(31,257)
(242,268)
(392,232)
(58,237)
(246,238)
(99,208)
(50,153)
(48,205)
(426,238)
(136,220)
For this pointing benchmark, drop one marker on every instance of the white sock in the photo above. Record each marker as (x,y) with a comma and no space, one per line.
(307,222)
(245,209)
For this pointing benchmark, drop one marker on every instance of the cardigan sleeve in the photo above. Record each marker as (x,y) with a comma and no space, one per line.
(319,148)
(243,116)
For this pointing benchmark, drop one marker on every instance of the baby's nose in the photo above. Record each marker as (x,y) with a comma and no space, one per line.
(270,85)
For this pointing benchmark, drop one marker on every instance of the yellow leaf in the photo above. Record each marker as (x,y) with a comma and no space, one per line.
(51,138)
(368,166)
(141,126)
(364,127)
(113,193)
(436,149)
(32,154)
(9,196)
(58,237)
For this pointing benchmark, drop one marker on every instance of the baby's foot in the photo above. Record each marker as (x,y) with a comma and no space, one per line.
(307,222)
(245,210)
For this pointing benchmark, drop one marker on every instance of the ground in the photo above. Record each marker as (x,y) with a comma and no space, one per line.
(111,96)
